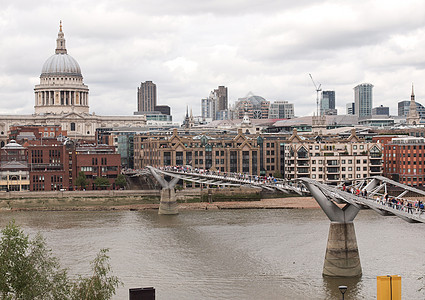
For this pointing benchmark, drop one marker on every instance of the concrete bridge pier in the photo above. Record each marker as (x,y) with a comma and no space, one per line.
(168,202)
(342,254)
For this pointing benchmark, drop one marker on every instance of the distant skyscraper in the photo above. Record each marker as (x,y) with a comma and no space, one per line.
(206,107)
(146,97)
(350,108)
(327,104)
(381,111)
(363,99)
(222,98)
(216,105)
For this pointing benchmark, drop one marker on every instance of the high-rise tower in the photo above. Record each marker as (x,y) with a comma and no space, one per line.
(222,97)
(363,100)
(327,103)
(146,97)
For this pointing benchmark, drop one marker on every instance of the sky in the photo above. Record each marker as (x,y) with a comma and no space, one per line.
(188,48)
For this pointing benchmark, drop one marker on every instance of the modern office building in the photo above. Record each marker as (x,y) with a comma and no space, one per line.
(222,97)
(281,110)
(146,97)
(163,109)
(381,111)
(327,104)
(215,107)
(206,108)
(363,100)
(256,106)
(350,108)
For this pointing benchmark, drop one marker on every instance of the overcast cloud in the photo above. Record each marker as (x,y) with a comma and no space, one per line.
(188,48)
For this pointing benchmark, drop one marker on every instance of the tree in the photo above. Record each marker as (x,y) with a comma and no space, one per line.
(99,286)
(120,181)
(101,182)
(27,268)
(29,271)
(277,174)
(81,180)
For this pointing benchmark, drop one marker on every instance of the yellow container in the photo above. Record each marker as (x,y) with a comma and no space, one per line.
(388,287)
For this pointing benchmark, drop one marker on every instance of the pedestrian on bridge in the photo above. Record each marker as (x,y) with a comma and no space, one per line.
(409,208)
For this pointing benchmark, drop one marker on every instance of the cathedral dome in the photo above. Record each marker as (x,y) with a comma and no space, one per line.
(61,64)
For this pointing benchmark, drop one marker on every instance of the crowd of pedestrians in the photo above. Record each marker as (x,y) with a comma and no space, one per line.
(254,179)
(389,201)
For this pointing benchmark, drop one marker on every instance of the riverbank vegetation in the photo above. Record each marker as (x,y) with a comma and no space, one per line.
(28,270)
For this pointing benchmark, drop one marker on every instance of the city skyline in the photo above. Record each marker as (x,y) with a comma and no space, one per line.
(187,50)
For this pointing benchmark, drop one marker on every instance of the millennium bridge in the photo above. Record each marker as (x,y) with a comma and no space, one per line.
(341,205)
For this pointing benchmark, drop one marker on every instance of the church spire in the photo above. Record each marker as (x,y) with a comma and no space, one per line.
(413,116)
(60,41)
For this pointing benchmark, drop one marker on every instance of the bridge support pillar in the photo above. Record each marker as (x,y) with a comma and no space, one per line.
(342,255)
(168,202)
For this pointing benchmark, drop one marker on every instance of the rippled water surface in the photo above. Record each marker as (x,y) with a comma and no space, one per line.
(233,254)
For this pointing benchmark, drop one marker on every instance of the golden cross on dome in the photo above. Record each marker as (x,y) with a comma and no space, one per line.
(60,26)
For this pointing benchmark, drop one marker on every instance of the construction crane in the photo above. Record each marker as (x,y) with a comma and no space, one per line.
(318,90)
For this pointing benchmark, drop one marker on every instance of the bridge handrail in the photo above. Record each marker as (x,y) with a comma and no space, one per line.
(406,212)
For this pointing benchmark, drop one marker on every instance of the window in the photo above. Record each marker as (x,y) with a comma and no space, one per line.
(72,126)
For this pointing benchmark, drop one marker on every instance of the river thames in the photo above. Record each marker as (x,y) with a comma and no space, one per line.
(230,254)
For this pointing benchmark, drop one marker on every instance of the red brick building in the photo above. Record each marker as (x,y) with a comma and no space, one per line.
(49,165)
(404,160)
(96,161)
(55,166)
(20,133)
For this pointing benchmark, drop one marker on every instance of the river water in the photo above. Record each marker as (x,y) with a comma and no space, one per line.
(230,254)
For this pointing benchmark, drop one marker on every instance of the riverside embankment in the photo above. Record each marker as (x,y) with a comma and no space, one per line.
(189,199)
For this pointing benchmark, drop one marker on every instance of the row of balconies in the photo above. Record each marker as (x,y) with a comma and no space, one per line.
(331,170)
(372,162)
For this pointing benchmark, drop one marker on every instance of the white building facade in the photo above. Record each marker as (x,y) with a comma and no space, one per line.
(281,110)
